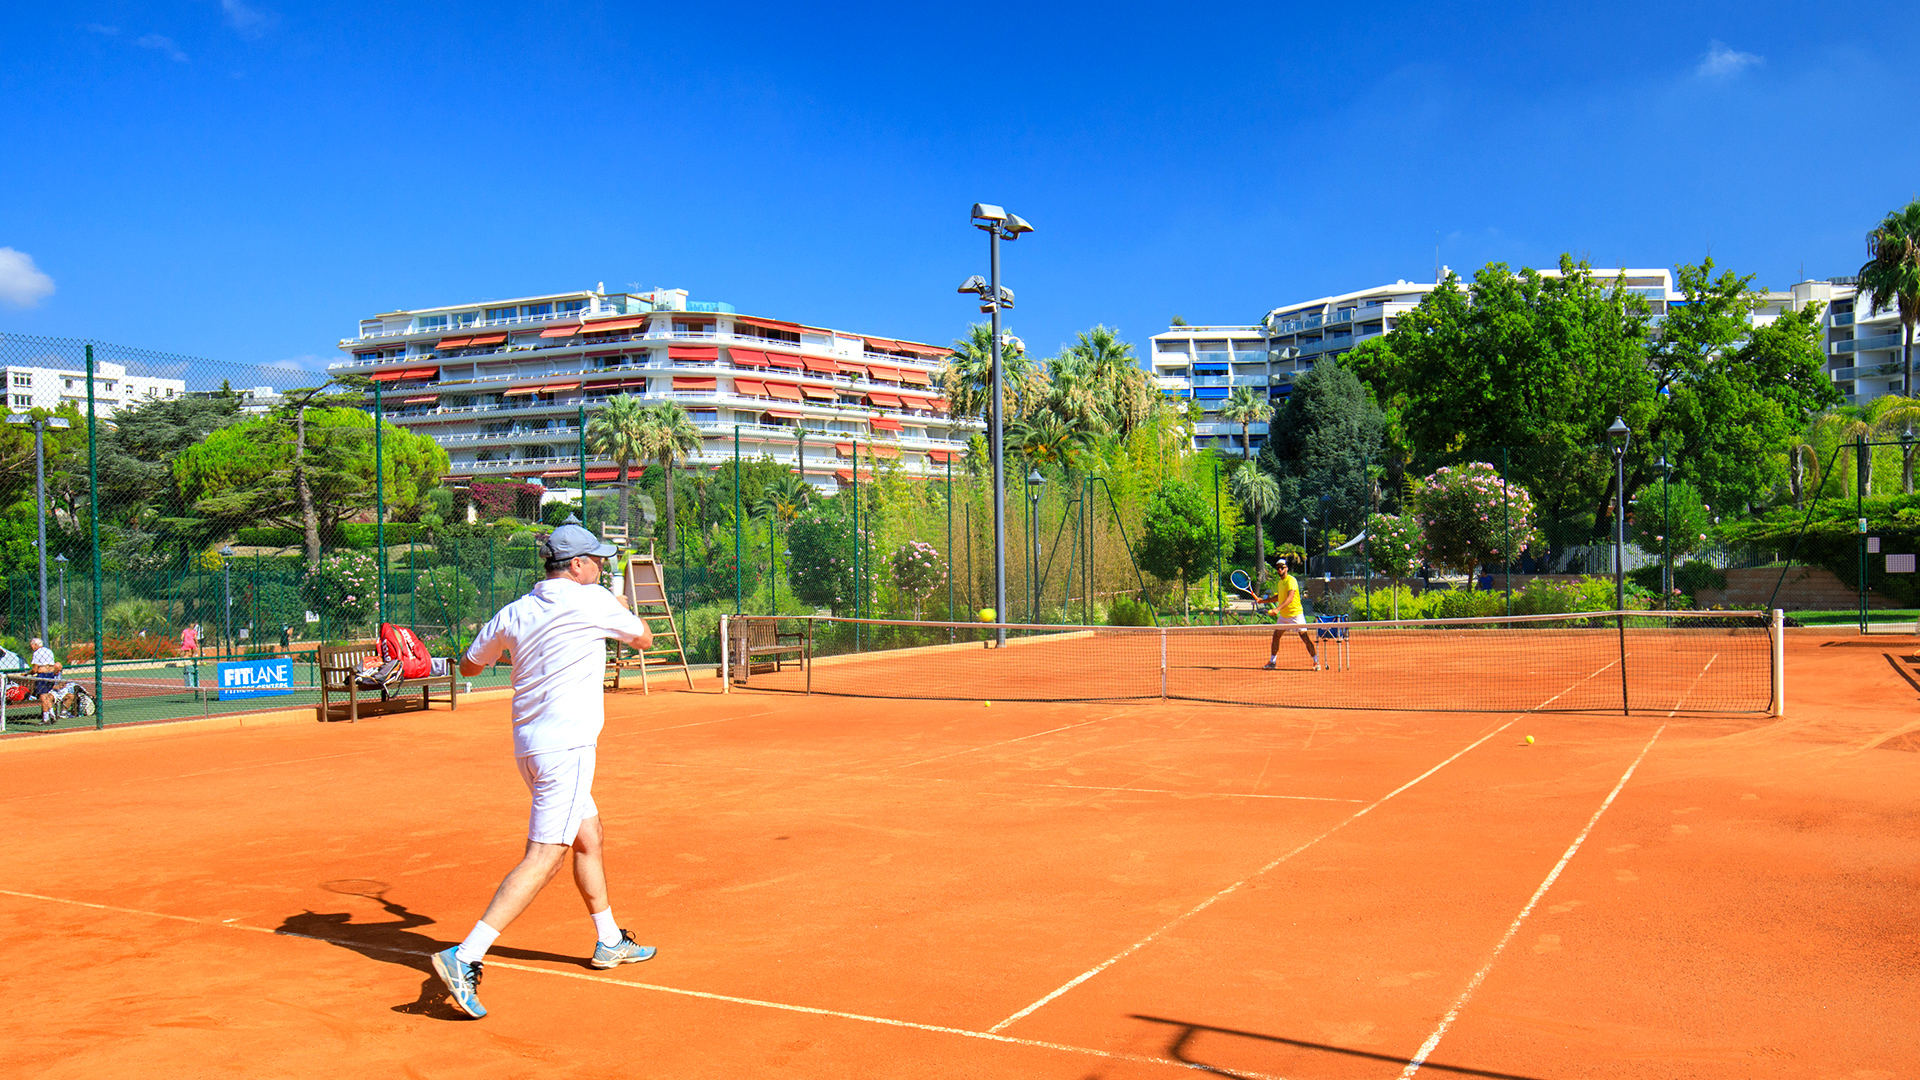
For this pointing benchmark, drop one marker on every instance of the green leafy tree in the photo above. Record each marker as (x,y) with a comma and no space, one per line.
(967,377)
(1472,518)
(1672,515)
(918,569)
(1327,439)
(619,429)
(1259,497)
(1891,278)
(821,568)
(1179,535)
(1122,393)
(1396,546)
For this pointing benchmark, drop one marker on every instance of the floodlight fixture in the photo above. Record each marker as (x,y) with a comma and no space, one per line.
(227,550)
(59,423)
(990,214)
(974,284)
(21,419)
(1015,225)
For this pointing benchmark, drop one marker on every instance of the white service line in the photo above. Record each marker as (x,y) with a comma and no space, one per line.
(1209,901)
(1433,1040)
(939,1029)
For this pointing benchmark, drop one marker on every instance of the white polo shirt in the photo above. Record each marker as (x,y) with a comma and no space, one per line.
(557,634)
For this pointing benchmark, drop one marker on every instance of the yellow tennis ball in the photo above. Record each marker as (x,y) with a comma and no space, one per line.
(1529,740)
(986,704)
(987,614)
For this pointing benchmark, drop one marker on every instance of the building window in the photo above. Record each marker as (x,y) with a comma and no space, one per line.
(703,415)
(465,318)
(21,378)
(22,401)
(535,311)
(431,322)
(501,314)
(568,307)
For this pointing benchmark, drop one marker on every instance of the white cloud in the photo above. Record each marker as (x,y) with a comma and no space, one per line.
(162,43)
(110,31)
(308,362)
(1722,61)
(22,284)
(248,22)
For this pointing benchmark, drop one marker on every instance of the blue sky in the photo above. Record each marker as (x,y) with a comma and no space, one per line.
(243,180)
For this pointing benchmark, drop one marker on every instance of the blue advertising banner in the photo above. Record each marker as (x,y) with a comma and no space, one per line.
(255,678)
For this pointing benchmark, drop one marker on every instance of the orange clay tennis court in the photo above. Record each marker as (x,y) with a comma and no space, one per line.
(861,886)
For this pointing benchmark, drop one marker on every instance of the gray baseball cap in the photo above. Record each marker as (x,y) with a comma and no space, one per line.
(572,541)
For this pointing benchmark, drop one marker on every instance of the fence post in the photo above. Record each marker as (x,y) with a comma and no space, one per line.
(1778,631)
(726,657)
(93,499)
(1163,663)
(379,504)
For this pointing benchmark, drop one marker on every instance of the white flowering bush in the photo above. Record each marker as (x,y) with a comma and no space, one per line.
(1473,518)
(346,589)
(918,569)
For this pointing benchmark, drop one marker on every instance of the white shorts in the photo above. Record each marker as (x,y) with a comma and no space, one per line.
(562,785)
(1290,620)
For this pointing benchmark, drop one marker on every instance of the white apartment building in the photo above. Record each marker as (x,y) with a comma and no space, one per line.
(502,386)
(1863,350)
(113,389)
(1204,363)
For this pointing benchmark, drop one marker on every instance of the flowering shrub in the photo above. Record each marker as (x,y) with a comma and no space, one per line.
(346,588)
(1395,545)
(1660,506)
(822,540)
(1473,518)
(505,498)
(918,569)
(151,647)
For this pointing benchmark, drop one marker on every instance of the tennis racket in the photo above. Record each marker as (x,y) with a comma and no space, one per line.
(1242,582)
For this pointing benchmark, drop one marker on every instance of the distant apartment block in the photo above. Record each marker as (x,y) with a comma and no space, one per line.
(502,385)
(113,389)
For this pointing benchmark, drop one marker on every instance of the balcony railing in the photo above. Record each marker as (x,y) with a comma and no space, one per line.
(1867,344)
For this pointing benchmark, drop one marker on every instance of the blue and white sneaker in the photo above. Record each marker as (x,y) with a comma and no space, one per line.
(625,951)
(463,981)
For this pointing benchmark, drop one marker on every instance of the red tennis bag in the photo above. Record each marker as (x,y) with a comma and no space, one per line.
(402,644)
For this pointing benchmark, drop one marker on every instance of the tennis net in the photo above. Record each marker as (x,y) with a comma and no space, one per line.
(1714,662)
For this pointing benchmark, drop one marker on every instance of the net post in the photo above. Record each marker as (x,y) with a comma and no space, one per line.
(1776,630)
(726,656)
(1163,663)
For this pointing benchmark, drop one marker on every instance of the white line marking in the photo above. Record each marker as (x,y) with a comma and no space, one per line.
(1696,682)
(1209,901)
(1433,1040)
(885,1021)
(1003,742)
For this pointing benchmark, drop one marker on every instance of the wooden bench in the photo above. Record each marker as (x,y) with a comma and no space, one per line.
(758,646)
(339,666)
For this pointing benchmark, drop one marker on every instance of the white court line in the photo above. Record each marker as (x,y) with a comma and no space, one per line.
(1433,1040)
(1003,742)
(1209,901)
(781,1006)
(884,779)
(188,776)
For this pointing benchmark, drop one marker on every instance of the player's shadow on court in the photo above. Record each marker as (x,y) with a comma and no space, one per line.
(397,942)
(1181,1048)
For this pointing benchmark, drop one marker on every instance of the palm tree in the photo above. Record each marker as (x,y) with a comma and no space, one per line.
(1847,424)
(968,375)
(1891,277)
(1258,493)
(669,435)
(1123,390)
(1047,440)
(1897,416)
(618,430)
(1246,408)
(783,499)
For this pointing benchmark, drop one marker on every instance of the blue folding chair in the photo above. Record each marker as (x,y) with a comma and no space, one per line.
(1329,630)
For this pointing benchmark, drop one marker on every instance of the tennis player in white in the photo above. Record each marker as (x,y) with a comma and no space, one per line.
(557,634)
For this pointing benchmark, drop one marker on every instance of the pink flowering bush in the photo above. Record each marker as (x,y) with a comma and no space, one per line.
(1472,518)
(918,569)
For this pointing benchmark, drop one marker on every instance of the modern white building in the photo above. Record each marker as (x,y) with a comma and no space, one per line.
(503,385)
(1863,350)
(113,389)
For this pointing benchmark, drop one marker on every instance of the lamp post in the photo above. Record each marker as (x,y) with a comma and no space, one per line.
(40,426)
(1666,525)
(1619,434)
(1306,563)
(226,570)
(1034,483)
(62,560)
(998,225)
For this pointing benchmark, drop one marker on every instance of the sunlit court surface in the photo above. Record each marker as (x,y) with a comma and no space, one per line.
(866,886)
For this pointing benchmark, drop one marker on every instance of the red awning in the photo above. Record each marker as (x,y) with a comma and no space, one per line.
(931,352)
(561,331)
(819,393)
(487,339)
(939,457)
(706,355)
(940,405)
(781,360)
(695,382)
(783,414)
(881,371)
(614,384)
(820,365)
(452,342)
(751,387)
(553,386)
(613,324)
(389,376)
(866,475)
(886,423)
(556,474)
(748,357)
(884,401)
(849,368)
(766,324)
(603,474)
(518,390)
(916,377)
(880,344)
(421,373)
(425,399)
(844,449)
(884,451)
(784,391)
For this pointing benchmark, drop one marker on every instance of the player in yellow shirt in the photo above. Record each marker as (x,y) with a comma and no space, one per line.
(1288,612)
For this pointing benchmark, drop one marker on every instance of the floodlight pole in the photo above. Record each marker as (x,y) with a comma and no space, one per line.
(40,494)
(995,446)
(1620,435)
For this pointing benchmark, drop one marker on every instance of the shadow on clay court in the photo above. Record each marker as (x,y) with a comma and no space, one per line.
(1180,1049)
(396,942)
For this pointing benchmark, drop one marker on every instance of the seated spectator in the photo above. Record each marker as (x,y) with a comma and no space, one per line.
(45,670)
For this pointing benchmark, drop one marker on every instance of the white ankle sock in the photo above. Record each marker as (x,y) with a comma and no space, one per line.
(478,942)
(607,930)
